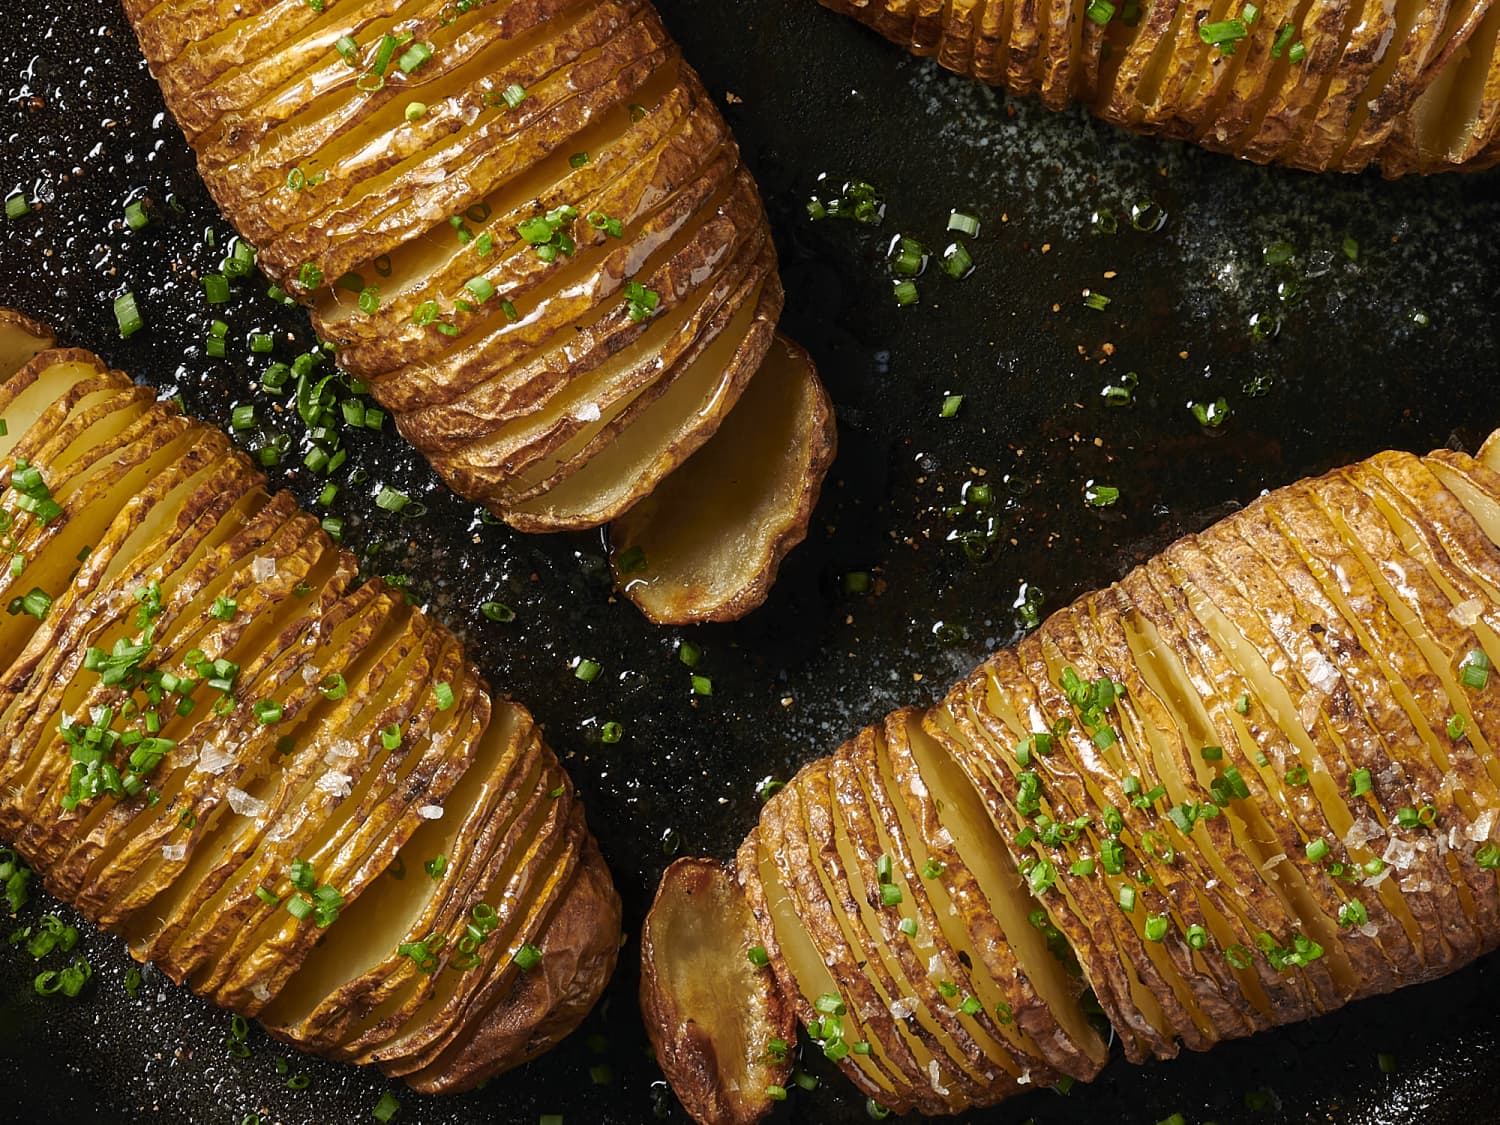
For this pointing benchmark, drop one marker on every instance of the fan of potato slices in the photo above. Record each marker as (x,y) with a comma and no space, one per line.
(1325,85)
(1251,782)
(287,789)
(526,226)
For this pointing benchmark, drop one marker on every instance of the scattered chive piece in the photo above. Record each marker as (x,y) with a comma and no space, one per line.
(415,111)
(497,611)
(689,654)
(758,956)
(391,500)
(611,732)
(436,866)
(1317,850)
(386,1108)
(444,694)
(243,417)
(135,215)
(905,292)
(587,670)
(268,711)
(908,926)
(514,95)
(390,737)
(1223,32)
(1456,727)
(1156,928)
(528,957)
(702,685)
(951,403)
(958,263)
(964,223)
(17,206)
(640,301)
(216,287)
(578,160)
(1474,669)
(128,315)
(1360,783)
(482,288)
(414,57)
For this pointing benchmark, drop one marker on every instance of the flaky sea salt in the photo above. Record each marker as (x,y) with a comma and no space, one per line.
(336,783)
(173,852)
(244,804)
(262,568)
(431,812)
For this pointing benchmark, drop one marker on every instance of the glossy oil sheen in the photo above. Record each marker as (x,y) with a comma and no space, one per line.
(81,127)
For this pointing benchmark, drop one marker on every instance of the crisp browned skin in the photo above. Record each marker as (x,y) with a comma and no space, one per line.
(194,871)
(1336,839)
(528,383)
(1405,85)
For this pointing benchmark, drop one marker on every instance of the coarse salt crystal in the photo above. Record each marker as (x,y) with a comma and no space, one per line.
(588,412)
(1399,853)
(244,804)
(1466,613)
(430,812)
(1273,861)
(1376,880)
(310,673)
(262,568)
(261,990)
(903,1008)
(215,759)
(1483,824)
(934,1079)
(336,783)
(343,748)
(174,852)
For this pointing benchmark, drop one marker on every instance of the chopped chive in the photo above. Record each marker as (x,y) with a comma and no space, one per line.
(414,57)
(128,315)
(587,670)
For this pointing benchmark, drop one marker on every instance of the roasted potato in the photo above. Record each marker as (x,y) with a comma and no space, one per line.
(287,789)
(1410,87)
(526,227)
(706,545)
(1250,782)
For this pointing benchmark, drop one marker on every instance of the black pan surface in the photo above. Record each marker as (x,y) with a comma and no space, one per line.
(1396,347)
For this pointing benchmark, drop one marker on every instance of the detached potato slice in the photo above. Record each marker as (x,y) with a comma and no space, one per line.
(557,276)
(218,743)
(1251,782)
(706,544)
(1341,85)
(21,338)
(696,950)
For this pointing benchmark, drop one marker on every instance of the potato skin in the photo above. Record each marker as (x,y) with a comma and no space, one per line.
(120,862)
(1306,666)
(716,1085)
(516,368)
(1371,91)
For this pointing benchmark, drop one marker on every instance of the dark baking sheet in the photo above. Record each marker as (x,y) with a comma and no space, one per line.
(810,94)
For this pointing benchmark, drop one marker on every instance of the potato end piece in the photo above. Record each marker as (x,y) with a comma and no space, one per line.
(580,945)
(707,544)
(1489,452)
(709,1011)
(21,340)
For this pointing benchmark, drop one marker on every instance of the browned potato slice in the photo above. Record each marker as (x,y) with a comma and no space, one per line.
(696,949)
(1403,85)
(705,545)
(565,280)
(21,338)
(205,696)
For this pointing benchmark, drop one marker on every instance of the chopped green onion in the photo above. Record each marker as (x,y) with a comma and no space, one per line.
(1223,32)
(268,711)
(415,111)
(641,302)
(702,685)
(17,206)
(528,957)
(414,57)
(1474,669)
(905,292)
(514,95)
(586,670)
(128,315)
(611,733)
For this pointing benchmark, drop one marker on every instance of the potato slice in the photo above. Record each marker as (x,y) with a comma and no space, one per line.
(696,950)
(21,340)
(1315,84)
(706,544)
(223,625)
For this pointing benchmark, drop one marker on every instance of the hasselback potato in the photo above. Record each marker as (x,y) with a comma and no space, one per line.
(1250,782)
(286,788)
(1408,86)
(526,226)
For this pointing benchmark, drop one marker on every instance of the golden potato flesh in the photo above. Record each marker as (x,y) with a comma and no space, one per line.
(526,227)
(287,789)
(726,1061)
(1252,781)
(1337,86)
(706,544)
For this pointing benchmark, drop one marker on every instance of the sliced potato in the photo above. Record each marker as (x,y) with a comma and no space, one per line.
(696,949)
(705,545)
(557,276)
(218,743)
(1324,85)
(1249,783)
(21,339)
